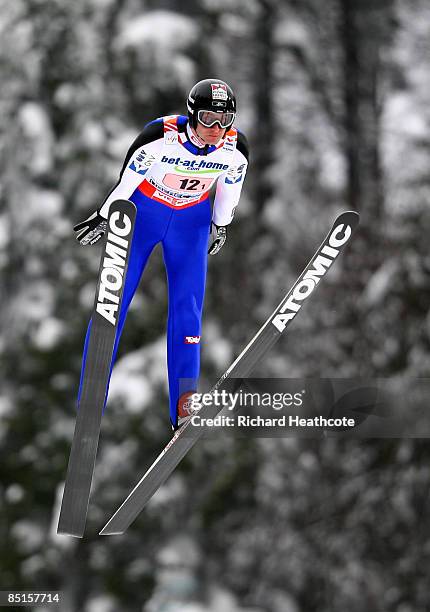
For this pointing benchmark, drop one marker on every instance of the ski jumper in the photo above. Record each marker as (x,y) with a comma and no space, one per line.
(168,173)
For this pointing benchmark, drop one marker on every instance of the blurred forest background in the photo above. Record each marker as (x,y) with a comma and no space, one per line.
(334,97)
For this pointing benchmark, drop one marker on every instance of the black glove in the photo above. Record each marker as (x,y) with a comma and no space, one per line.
(219,236)
(91,230)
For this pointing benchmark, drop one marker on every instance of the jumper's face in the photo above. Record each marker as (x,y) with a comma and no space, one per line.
(210,135)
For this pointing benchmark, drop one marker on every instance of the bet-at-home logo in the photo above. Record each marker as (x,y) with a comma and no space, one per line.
(201,166)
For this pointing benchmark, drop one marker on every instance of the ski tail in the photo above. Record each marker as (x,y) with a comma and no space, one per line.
(107,305)
(282,317)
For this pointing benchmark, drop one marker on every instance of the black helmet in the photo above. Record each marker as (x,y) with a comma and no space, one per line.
(212,95)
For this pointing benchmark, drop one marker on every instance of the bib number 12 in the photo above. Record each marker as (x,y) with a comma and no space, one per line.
(190,184)
(187,184)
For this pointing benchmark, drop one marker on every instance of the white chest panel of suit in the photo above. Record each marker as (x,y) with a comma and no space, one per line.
(169,171)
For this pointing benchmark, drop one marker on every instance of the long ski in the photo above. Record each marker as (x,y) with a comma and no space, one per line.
(104,322)
(265,338)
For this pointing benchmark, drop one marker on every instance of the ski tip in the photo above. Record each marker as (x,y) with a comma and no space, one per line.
(349,217)
(122,204)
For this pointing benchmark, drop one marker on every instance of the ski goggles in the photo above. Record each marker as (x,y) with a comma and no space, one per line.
(209,118)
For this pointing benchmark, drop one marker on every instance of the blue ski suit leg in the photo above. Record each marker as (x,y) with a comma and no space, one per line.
(185,247)
(184,236)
